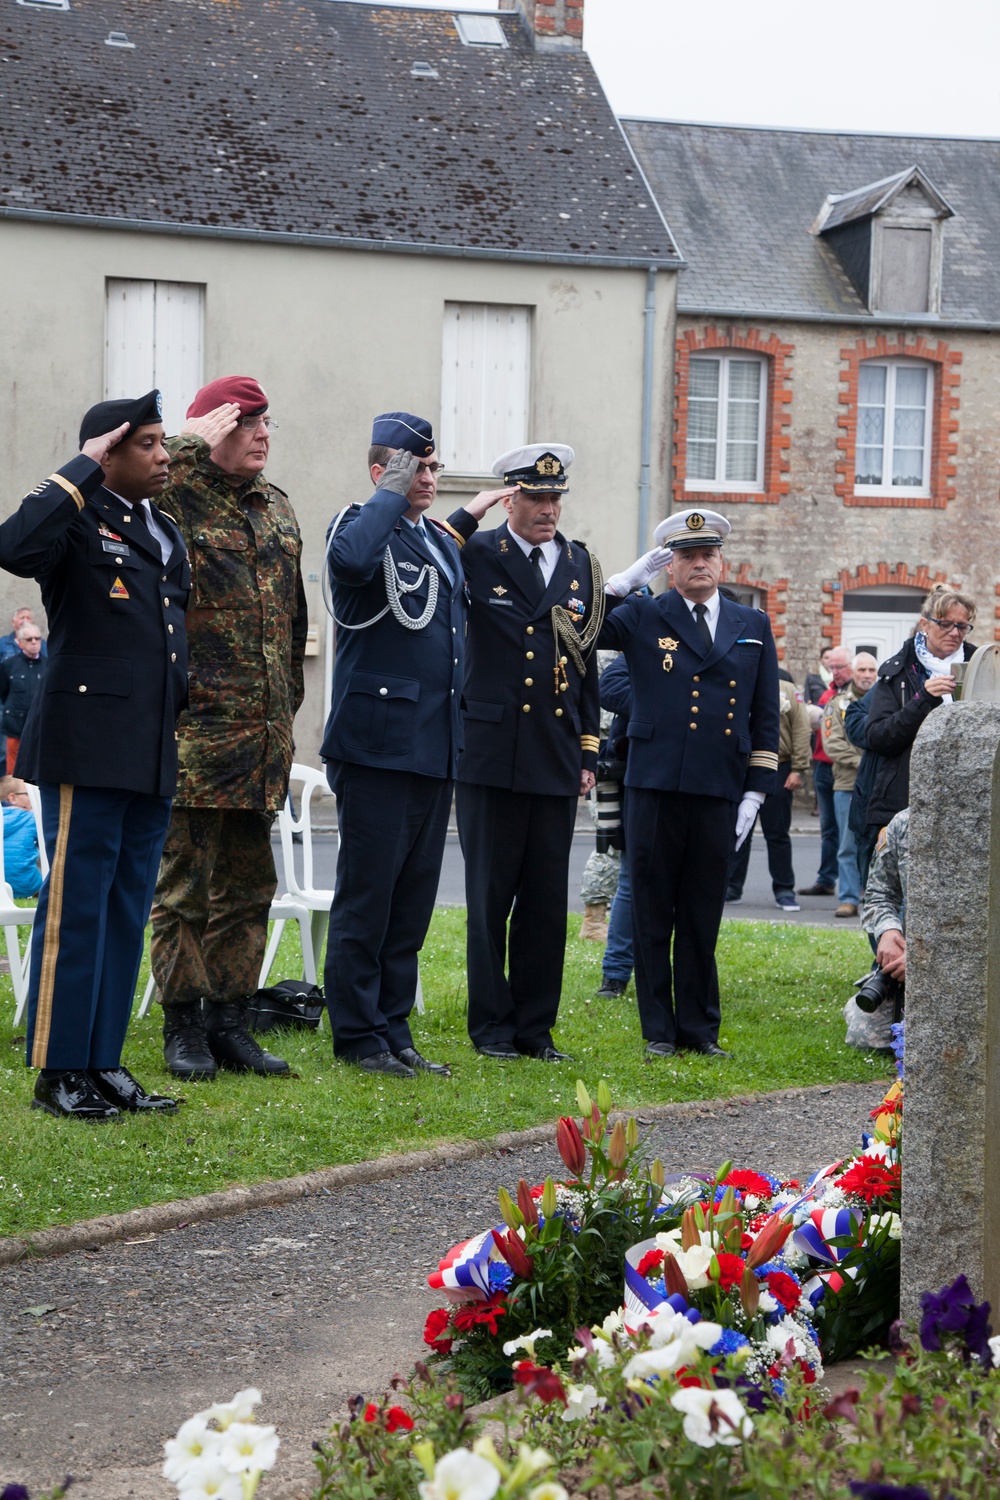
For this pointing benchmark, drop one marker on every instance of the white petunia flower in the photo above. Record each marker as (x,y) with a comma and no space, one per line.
(194,1440)
(674,1342)
(580,1401)
(461,1475)
(712,1417)
(247,1448)
(209,1479)
(549,1490)
(240,1409)
(527,1341)
(995,1349)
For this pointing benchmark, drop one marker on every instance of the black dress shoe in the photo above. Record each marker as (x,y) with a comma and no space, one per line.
(816,890)
(185,1048)
(233,1047)
(383,1062)
(661,1049)
(118,1087)
(72,1094)
(500,1052)
(549,1054)
(411,1058)
(709,1049)
(611,989)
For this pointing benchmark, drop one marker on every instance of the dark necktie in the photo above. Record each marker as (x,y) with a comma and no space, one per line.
(699,613)
(138,514)
(535,559)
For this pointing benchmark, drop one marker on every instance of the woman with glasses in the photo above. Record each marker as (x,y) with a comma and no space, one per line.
(911,685)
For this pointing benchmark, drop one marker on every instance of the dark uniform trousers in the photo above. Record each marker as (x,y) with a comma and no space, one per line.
(679,849)
(516,847)
(216,885)
(86,947)
(392,830)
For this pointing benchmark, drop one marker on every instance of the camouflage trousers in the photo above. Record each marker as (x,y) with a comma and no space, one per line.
(600,877)
(213,894)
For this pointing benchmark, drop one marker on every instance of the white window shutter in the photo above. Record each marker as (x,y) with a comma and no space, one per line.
(154,337)
(485,383)
(130,338)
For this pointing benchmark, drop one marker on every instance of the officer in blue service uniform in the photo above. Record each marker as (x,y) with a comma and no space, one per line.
(99,741)
(399,600)
(531,738)
(703,753)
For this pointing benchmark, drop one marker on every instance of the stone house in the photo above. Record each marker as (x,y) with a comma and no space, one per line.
(366,206)
(837,369)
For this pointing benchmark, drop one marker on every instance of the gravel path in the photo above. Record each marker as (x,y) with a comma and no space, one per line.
(312,1301)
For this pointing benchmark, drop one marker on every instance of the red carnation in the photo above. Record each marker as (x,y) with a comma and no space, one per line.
(397,1419)
(539,1381)
(784,1288)
(746,1240)
(731,1268)
(650,1262)
(437,1322)
(870,1180)
(473,1315)
(749,1182)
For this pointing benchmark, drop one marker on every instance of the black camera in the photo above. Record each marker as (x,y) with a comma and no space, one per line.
(879,988)
(610,834)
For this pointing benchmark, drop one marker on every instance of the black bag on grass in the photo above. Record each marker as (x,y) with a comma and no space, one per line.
(293,1002)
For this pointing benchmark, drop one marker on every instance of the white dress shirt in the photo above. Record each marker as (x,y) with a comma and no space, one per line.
(550,553)
(433,547)
(712,607)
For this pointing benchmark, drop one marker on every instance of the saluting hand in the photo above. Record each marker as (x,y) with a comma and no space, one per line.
(98,448)
(487,498)
(399,473)
(214,425)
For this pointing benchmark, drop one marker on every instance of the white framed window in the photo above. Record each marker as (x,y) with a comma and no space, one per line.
(727,405)
(485,383)
(893,448)
(154,336)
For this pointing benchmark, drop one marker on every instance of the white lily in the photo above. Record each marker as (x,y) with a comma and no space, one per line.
(712,1417)
(249,1449)
(527,1341)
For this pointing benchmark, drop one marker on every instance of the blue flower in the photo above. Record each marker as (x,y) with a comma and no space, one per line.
(954,1310)
(866,1491)
(730,1341)
(501,1277)
(14,1492)
(897,1030)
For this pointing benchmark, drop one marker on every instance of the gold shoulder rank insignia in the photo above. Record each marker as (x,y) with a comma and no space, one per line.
(575,584)
(118,590)
(499,589)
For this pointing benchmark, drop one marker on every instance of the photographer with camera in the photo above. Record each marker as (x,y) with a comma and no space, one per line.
(879,999)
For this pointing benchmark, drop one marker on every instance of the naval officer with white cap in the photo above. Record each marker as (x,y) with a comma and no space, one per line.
(703,753)
(531,719)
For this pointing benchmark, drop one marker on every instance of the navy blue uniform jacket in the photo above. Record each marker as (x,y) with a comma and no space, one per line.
(117,673)
(521,732)
(701,722)
(396,692)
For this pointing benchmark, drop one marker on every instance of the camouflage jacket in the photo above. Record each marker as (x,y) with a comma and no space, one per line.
(246,627)
(884,905)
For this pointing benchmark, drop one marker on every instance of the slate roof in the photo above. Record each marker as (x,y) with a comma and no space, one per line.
(301,117)
(742,201)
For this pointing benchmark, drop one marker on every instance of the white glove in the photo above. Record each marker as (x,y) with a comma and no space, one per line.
(640,573)
(746,816)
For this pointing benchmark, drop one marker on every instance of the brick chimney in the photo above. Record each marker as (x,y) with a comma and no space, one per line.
(554,25)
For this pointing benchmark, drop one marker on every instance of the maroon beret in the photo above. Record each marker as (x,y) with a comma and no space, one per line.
(242,389)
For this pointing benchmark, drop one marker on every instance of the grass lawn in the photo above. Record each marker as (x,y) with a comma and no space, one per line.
(783,992)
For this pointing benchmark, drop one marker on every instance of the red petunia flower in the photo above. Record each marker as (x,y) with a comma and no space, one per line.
(746,1240)
(464,1319)
(749,1182)
(437,1322)
(784,1288)
(539,1381)
(731,1268)
(396,1419)
(371,1412)
(871,1180)
(650,1261)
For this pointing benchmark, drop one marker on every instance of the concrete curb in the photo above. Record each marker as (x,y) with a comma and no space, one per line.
(88,1234)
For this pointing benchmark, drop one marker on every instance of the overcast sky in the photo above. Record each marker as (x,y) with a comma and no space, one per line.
(907,66)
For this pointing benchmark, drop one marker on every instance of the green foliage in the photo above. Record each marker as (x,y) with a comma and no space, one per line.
(860,1314)
(783,990)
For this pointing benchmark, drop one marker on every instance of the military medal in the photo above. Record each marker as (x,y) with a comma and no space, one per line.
(499,589)
(118,590)
(574,585)
(503,544)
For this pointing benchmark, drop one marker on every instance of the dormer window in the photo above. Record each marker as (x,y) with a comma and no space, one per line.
(887,237)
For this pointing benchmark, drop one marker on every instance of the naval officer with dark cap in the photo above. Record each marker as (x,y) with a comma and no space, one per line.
(531,737)
(399,600)
(100,743)
(703,753)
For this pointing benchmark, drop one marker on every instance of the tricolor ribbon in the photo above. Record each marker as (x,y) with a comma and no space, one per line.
(464,1273)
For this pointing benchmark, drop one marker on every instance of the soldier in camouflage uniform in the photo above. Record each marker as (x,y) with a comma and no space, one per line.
(246,623)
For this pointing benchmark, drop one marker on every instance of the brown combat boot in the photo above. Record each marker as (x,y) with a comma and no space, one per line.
(595,922)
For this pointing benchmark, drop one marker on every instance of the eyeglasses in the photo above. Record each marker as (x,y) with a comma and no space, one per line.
(430,469)
(952,627)
(31,637)
(250,424)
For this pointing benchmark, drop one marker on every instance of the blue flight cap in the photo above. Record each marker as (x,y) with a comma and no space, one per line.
(399,429)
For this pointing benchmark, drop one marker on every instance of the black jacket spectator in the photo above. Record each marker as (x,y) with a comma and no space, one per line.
(20,679)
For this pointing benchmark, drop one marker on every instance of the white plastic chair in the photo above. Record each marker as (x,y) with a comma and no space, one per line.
(12,917)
